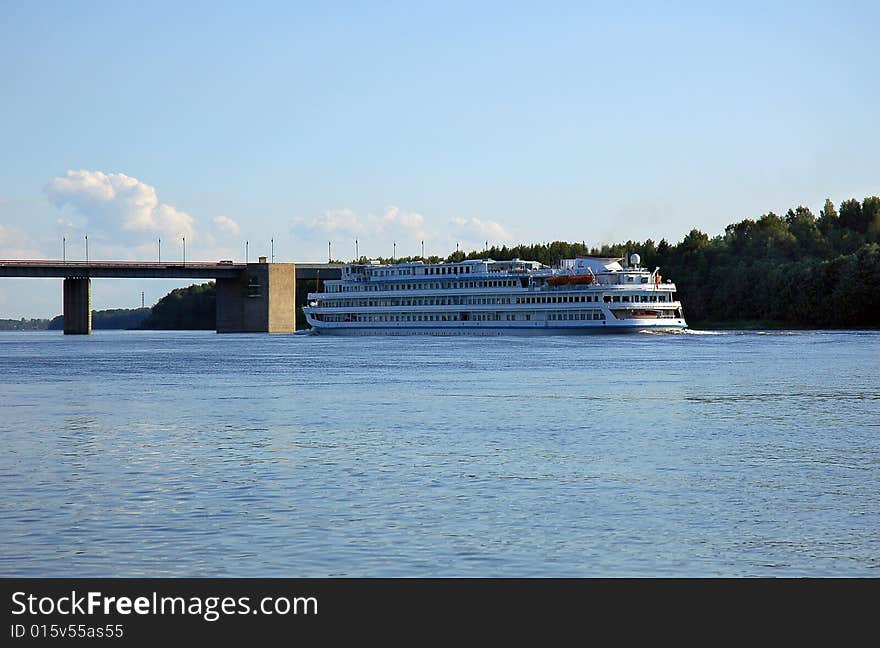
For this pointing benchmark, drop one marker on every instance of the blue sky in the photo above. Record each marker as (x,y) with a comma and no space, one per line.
(452,122)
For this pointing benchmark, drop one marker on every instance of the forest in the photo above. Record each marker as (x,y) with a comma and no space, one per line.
(190,308)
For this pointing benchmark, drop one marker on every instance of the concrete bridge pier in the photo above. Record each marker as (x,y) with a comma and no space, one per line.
(77,306)
(262,299)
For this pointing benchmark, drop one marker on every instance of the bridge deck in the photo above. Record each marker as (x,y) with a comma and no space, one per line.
(149,270)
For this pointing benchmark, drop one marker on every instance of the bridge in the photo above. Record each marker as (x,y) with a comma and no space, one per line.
(251,297)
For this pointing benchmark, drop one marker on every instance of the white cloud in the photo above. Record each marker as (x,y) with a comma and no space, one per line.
(378,232)
(223,225)
(394,217)
(345,222)
(118,204)
(474,228)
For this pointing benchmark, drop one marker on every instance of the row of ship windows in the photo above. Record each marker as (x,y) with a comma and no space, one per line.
(579,315)
(420,301)
(636,298)
(429,285)
(390,273)
(460,317)
(447,270)
(567,299)
(451,270)
(560,299)
(457,301)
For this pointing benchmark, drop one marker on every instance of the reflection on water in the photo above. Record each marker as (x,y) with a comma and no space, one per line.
(194,454)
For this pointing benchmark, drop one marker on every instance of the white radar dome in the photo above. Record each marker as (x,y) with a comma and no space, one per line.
(635,259)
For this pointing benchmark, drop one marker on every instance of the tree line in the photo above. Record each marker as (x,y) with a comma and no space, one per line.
(114,318)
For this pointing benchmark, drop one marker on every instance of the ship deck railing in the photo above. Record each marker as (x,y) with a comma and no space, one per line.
(502,307)
(507,290)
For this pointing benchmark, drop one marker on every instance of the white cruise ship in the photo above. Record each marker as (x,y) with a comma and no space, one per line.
(486,297)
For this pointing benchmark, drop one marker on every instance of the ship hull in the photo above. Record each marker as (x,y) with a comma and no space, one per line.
(494,331)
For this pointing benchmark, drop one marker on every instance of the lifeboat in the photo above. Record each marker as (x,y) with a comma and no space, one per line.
(560,280)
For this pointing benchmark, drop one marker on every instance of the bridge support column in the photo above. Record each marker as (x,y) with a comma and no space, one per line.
(77,306)
(260,300)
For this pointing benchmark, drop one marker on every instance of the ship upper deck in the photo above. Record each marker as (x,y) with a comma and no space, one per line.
(605,271)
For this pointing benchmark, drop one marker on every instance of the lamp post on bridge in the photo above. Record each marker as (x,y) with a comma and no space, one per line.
(246,243)
(184,250)
(64,249)
(329,253)
(160,250)
(87,248)
(272,241)
(357,256)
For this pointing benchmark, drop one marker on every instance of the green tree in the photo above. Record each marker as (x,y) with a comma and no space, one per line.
(828,218)
(852,216)
(802,225)
(871,215)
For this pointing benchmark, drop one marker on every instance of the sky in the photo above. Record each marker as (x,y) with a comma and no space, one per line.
(386,122)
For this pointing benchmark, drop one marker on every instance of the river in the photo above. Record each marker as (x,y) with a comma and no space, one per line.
(197,454)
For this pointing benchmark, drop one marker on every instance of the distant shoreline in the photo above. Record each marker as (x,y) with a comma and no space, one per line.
(110,318)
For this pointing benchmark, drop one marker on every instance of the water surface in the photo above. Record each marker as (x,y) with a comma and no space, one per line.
(196,454)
